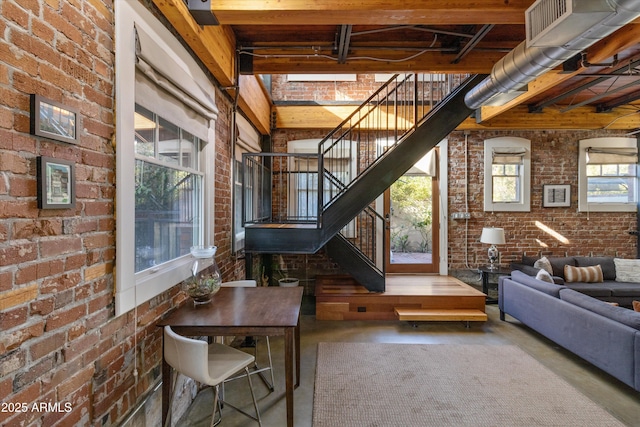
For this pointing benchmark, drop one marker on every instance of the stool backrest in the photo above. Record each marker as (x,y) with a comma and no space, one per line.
(240,284)
(187,355)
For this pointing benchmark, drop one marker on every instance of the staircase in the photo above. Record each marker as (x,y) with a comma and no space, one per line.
(298,203)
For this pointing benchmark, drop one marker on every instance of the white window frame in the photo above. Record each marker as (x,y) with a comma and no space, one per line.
(310,146)
(509,142)
(606,142)
(168,56)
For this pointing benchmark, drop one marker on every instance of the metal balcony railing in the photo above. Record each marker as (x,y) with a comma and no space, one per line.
(286,188)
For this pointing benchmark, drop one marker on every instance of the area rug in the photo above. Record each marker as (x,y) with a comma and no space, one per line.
(380,385)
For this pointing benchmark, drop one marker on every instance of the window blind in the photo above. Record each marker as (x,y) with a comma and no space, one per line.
(607,156)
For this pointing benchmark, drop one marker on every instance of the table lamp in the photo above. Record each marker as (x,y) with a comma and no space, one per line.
(493,236)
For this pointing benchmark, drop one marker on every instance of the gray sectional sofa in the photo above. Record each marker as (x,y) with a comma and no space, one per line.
(605,335)
(610,290)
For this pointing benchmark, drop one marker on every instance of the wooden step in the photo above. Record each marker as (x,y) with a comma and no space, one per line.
(342,298)
(430,314)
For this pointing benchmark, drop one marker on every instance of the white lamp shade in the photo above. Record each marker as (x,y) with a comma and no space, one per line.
(493,236)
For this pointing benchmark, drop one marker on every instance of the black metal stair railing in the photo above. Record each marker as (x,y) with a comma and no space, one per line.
(292,192)
(378,125)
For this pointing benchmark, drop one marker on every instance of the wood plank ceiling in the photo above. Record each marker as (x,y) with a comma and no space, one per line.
(599,90)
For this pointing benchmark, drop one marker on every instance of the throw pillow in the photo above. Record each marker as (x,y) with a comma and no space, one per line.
(591,274)
(544,264)
(636,305)
(627,270)
(544,276)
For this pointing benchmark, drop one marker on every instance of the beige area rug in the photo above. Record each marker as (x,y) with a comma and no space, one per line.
(372,384)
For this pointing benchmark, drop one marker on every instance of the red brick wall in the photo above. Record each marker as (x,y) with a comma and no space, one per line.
(361,89)
(60,341)
(554,161)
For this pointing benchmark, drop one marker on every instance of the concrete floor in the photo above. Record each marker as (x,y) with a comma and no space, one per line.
(620,400)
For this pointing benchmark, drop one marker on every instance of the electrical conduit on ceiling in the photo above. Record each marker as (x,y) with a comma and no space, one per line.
(524,64)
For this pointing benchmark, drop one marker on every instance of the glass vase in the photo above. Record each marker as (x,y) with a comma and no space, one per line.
(205,277)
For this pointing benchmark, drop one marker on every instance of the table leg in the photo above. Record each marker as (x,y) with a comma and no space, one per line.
(288,368)
(297,338)
(166,390)
(485,283)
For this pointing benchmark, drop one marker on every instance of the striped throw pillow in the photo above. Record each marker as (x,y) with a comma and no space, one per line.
(591,274)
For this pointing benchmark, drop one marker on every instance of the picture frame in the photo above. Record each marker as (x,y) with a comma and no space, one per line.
(556,196)
(56,183)
(53,120)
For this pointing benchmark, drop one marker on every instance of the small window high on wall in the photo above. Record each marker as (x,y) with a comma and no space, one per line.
(507,174)
(608,176)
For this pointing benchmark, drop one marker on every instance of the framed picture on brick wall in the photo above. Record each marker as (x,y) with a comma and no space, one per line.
(53,120)
(556,196)
(56,183)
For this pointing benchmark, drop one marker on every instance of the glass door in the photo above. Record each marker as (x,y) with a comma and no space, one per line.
(411,213)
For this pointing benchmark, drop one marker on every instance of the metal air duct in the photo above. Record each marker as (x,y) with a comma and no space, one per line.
(525,63)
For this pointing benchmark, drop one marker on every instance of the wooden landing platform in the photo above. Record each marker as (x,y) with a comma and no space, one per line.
(407,297)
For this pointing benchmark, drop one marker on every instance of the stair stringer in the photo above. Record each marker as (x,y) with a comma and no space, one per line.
(352,261)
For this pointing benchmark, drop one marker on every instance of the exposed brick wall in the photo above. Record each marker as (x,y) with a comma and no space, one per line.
(554,161)
(361,89)
(60,341)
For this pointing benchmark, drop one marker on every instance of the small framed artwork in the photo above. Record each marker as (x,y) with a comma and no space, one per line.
(53,120)
(556,196)
(56,183)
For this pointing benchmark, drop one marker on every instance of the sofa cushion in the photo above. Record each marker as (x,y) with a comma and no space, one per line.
(619,314)
(558,263)
(592,274)
(606,263)
(548,288)
(622,289)
(544,276)
(544,264)
(598,290)
(627,270)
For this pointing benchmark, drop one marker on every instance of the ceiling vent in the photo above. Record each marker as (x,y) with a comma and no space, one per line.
(557,22)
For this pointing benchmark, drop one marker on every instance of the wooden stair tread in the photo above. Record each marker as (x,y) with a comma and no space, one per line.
(454,314)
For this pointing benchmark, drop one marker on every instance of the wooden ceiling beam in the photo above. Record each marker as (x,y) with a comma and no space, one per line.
(371,12)
(216,48)
(330,116)
(214,45)
(283,62)
(622,39)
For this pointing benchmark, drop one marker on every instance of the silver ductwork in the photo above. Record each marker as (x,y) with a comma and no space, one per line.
(525,63)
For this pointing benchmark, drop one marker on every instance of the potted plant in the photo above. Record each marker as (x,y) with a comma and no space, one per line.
(284,279)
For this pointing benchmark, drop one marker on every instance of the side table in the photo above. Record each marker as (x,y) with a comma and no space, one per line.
(487,275)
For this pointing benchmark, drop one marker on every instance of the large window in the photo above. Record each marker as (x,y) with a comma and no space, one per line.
(168,190)
(339,164)
(507,174)
(608,174)
(165,155)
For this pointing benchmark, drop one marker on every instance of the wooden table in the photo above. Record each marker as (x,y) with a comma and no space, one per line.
(260,311)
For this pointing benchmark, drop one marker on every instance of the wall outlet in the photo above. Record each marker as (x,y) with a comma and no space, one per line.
(461,215)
